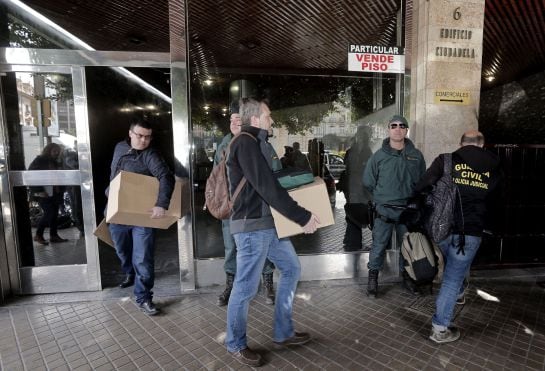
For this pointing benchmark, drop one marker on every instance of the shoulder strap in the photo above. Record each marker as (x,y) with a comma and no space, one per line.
(447,163)
(226,154)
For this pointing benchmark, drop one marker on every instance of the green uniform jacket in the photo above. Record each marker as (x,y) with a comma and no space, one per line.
(221,147)
(390,175)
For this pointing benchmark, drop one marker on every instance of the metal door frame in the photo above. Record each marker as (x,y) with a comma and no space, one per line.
(45,279)
(61,278)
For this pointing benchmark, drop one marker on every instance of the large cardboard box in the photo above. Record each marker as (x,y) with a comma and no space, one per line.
(312,197)
(132,196)
(103,233)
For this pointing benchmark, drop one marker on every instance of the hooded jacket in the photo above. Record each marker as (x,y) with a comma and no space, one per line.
(147,162)
(256,160)
(477,174)
(390,174)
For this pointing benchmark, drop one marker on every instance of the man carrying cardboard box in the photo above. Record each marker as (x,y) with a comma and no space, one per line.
(230,265)
(253,228)
(135,245)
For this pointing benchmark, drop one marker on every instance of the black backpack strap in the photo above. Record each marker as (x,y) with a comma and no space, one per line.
(238,189)
(447,168)
(447,163)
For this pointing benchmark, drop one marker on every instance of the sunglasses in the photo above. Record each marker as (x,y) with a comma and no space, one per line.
(395,126)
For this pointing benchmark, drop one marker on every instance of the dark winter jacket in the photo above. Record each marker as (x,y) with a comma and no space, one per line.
(147,162)
(355,159)
(43,162)
(390,175)
(256,160)
(477,174)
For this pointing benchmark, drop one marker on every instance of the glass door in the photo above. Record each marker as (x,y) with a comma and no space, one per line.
(47,189)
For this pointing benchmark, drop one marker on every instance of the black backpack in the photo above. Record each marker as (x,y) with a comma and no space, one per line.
(217,198)
(441,204)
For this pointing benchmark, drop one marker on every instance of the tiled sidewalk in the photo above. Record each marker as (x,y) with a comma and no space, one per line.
(503,327)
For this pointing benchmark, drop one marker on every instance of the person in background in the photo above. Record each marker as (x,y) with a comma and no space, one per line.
(287,159)
(357,196)
(477,174)
(390,175)
(49,197)
(300,161)
(255,235)
(135,245)
(230,264)
(70,161)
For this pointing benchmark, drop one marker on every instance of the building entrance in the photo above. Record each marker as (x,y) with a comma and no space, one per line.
(47,180)
(62,113)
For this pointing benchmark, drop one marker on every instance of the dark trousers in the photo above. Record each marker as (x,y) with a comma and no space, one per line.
(50,207)
(352,237)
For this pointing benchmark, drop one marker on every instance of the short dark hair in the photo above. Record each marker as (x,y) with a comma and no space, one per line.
(143,123)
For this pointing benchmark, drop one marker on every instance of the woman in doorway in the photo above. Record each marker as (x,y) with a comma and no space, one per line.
(49,197)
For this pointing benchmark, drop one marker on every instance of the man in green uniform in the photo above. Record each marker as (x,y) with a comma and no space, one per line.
(390,176)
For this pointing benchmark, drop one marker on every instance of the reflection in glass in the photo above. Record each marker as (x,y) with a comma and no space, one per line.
(46,115)
(53,233)
(320,114)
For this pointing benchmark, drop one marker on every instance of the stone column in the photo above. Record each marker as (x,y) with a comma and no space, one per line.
(447,38)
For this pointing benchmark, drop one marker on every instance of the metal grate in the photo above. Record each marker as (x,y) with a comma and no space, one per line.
(425,305)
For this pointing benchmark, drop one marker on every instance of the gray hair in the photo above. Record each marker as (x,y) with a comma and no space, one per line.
(249,107)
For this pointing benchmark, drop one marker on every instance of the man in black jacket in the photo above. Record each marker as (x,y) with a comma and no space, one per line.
(253,228)
(135,245)
(476,172)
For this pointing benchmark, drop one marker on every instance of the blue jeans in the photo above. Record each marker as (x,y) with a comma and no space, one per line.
(253,248)
(135,248)
(230,264)
(382,236)
(456,267)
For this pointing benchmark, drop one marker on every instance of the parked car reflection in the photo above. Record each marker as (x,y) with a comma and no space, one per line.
(335,164)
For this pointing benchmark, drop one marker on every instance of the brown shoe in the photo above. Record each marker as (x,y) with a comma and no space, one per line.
(40,240)
(247,356)
(57,238)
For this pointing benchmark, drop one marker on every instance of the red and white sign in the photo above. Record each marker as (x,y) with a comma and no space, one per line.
(376,58)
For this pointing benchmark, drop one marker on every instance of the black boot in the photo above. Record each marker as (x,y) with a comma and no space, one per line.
(269,288)
(372,283)
(223,299)
(128,281)
(410,285)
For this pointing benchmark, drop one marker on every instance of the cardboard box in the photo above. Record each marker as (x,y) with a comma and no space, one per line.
(132,196)
(312,197)
(103,233)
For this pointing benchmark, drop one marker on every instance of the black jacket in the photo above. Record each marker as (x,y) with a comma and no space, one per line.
(251,159)
(147,162)
(477,174)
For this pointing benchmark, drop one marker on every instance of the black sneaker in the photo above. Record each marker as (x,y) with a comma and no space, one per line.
(247,356)
(148,307)
(461,300)
(299,338)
